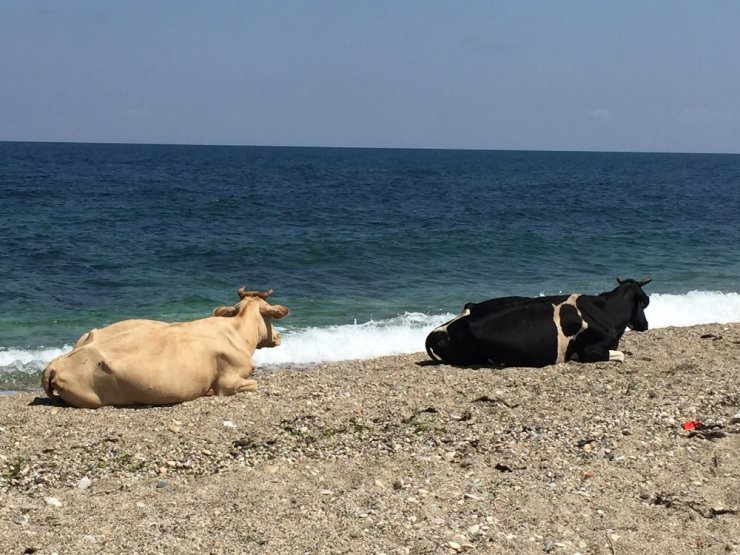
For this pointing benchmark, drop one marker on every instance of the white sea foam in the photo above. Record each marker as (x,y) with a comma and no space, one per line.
(20,368)
(400,335)
(406,333)
(29,358)
(692,308)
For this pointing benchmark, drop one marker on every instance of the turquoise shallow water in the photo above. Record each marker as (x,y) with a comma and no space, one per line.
(369,246)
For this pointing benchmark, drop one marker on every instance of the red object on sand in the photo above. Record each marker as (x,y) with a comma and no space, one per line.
(692,424)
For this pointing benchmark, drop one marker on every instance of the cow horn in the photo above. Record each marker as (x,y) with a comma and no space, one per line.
(243,293)
(642,283)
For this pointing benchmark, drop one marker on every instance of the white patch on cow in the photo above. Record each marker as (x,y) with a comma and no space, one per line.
(463,314)
(617,356)
(564,340)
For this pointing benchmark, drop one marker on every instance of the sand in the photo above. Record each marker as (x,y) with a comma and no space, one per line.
(394,455)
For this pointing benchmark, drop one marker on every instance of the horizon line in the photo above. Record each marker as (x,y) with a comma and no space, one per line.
(243,145)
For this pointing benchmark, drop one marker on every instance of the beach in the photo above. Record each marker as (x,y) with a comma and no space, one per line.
(394,455)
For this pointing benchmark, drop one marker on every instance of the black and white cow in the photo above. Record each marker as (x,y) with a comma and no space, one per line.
(537,331)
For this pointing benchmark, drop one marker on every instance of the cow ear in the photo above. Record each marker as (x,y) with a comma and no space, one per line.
(620,281)
(274,311)
(225,311)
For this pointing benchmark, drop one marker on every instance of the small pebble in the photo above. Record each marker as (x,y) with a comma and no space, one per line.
(161,484)
(20,519)
(84,483)
(229,424)
(28,507)
(53,501)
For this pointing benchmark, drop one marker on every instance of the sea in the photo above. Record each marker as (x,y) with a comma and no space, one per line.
(369,248)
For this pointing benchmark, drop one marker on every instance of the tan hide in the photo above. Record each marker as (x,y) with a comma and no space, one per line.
(150,362)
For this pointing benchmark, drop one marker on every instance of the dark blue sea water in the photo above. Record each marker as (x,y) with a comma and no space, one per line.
(368,247)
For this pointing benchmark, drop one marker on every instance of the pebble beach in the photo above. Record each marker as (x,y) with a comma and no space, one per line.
(395,455)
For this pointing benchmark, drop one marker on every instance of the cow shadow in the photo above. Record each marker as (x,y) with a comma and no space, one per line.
(47,402)
(423,363)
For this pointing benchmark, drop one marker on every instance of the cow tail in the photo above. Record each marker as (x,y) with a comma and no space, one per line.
(428,346)
(47,382)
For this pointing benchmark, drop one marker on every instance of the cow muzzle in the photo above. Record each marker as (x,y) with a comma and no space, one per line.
(640,324)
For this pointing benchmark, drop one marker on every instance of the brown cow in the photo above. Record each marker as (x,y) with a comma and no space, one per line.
(146,362)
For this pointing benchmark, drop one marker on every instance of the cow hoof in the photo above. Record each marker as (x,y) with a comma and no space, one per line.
(616,356)
(249,385)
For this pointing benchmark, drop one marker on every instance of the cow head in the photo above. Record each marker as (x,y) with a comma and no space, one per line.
(271,337)
(637,321)
(253,305)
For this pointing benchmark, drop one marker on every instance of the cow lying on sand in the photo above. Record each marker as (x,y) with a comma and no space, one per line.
(523,331)
(155,363)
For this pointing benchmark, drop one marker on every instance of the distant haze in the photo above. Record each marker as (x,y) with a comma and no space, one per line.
(566,75)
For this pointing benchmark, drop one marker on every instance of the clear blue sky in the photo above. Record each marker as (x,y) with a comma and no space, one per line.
(553,75)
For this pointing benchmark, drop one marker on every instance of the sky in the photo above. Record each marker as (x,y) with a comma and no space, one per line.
(654,76)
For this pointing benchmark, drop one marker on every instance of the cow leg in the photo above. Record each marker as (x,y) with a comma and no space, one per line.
(232,383)
(236,378)
(247,385)
(599,353)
